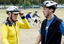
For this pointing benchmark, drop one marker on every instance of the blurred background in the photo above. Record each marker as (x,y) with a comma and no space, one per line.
(27,3)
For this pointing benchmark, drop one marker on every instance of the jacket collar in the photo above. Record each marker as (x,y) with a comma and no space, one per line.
(9,22)
(54,20)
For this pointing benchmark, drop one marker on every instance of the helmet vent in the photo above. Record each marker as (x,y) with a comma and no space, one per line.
(47,3)
(51,2)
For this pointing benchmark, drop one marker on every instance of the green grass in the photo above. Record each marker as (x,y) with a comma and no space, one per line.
(32,33)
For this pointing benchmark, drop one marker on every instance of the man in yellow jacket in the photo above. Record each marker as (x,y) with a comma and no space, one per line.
(10,28)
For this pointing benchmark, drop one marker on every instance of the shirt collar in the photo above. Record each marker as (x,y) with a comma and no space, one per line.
(9,22)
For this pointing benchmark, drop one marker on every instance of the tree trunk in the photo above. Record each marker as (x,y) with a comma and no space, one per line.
(42,1)
(24,4)
(5,5)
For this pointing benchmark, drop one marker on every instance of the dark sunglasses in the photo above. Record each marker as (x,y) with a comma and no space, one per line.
(15,14)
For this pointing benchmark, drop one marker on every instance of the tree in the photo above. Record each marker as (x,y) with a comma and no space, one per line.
(4,2)
(28,1)
(14,1)
(42,1)
(21,2)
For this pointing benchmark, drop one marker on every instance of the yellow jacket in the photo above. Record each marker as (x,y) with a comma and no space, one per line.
(10,33)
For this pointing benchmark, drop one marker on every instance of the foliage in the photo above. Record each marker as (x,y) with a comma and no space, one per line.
(28,1)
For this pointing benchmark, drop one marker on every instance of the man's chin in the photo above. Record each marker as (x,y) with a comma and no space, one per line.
(14,20)
(45,16)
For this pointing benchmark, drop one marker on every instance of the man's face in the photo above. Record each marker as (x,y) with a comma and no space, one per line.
(30,12)
(45,11)
(14,16)
(36,12)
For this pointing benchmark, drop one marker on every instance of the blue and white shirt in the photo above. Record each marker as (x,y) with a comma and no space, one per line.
(28,16)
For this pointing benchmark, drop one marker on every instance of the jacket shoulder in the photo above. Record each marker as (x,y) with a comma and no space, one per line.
(44,20)
(59,20)
(5,22)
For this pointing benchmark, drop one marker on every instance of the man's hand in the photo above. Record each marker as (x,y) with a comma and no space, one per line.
(21,14)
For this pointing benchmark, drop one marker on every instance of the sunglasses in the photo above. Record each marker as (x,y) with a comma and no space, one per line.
(21,13)
(15,14)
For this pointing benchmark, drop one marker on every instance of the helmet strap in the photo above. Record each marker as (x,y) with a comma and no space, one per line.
(11,18)
(48,13)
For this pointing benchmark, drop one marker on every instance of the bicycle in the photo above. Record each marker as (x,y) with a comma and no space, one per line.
(38,23)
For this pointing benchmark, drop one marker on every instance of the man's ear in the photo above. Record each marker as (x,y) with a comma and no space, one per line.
(9,14)
(51,10)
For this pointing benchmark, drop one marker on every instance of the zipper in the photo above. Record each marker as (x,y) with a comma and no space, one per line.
(47,33)
(16,34)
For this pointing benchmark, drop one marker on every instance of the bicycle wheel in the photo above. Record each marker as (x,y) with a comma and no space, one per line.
(39,23)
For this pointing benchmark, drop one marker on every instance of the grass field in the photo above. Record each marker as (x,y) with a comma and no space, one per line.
(29,36)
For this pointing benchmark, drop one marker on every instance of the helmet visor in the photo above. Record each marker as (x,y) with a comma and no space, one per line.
(16,12)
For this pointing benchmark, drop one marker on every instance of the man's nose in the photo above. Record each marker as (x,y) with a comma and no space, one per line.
(16,15)
(43,11)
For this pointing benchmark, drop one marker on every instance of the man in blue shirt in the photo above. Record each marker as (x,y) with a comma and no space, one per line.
(52,27)
(28,16)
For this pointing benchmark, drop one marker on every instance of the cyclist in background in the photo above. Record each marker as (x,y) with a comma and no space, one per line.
(33,17)
(28,16)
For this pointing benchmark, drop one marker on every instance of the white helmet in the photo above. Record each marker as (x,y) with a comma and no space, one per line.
(36,10)
(13,9)
(49,3)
